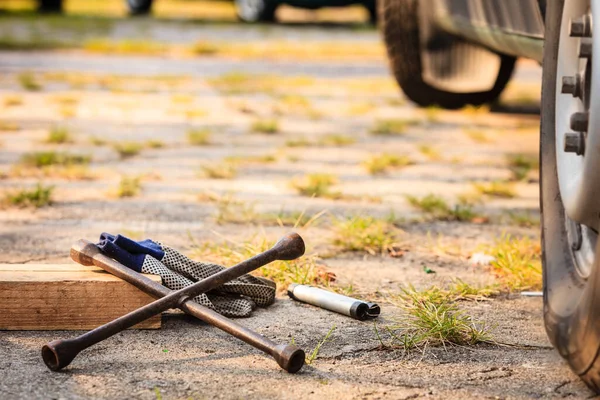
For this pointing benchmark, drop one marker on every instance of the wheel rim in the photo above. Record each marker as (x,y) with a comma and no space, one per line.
(249,10)
(576,129)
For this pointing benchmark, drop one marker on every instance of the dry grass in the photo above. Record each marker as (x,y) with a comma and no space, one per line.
(129,186)
(155,144)
(338,140)
(268,126)
(389,127)
(476,135)
(521,164)
(40,196)
(127,149)
(432,319)
(53,164)
(306,270)
(517,264)
(59,135)
(198,137)
(12,100)
(240,82)
(430,152)
(317,185)
(129,46)
(364,234)
(524,219)
(436,207)
(220,170)
(6,126)
(499,189)
(28,81)
(382,163)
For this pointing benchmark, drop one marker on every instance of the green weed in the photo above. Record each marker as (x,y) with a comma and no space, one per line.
(436,207)
(127,149)
(364,234)
(198,137)
(220,170)
(129,186)
(387,127)
(521,164)
(317,185)
(432,319)
(382,163)
(497,189)
(270,126)
(28,81)
(517,263)
(40,196)
(59,135)
(314,354)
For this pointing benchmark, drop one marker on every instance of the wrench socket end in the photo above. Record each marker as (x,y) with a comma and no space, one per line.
(59,353)
(289,357)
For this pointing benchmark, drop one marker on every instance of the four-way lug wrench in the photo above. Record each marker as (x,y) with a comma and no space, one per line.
(59,353)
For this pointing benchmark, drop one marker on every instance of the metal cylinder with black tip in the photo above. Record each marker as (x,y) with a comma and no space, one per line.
(338,303)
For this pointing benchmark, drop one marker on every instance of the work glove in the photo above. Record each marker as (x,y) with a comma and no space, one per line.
(236,298)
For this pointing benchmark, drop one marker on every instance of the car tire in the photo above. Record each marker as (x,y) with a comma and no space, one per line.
(50,6)
(571,299)
(253,11)
(139,7)
(402,26)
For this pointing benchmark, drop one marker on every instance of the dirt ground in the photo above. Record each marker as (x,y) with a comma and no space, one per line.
(102,98)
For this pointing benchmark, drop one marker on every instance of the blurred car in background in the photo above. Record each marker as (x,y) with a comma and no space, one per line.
(247,10)
(453,53)
(264,10)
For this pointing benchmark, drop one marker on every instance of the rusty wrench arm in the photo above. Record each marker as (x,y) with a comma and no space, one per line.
(59,353)
(289,357)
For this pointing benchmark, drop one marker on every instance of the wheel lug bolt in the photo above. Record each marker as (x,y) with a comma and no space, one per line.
(572,85)
(579,121)
(585,49)
(574,143)
(581,27)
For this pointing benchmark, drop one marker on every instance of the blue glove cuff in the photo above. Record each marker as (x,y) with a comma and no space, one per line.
(129,252)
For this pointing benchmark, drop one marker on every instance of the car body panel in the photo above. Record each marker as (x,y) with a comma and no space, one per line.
(513,27)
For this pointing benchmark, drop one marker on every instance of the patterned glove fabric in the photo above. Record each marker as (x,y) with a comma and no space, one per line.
(236,298)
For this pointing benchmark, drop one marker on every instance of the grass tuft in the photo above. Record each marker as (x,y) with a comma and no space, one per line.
(28,82)
(388,127)
(268,126)
(521,164)
(155,144)
(432,319)
(198,137)
(220,170)
(429,152)
(59,135)
(364,234)
(127,149)
(383,163)
(13,100)
(336,140)
(517,263)
(477,136)
(499,189)
(436,207)
(129,186)
(51,158)
(40,196)
(317,185)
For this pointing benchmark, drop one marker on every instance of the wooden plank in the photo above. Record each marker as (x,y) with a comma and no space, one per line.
(66,297)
